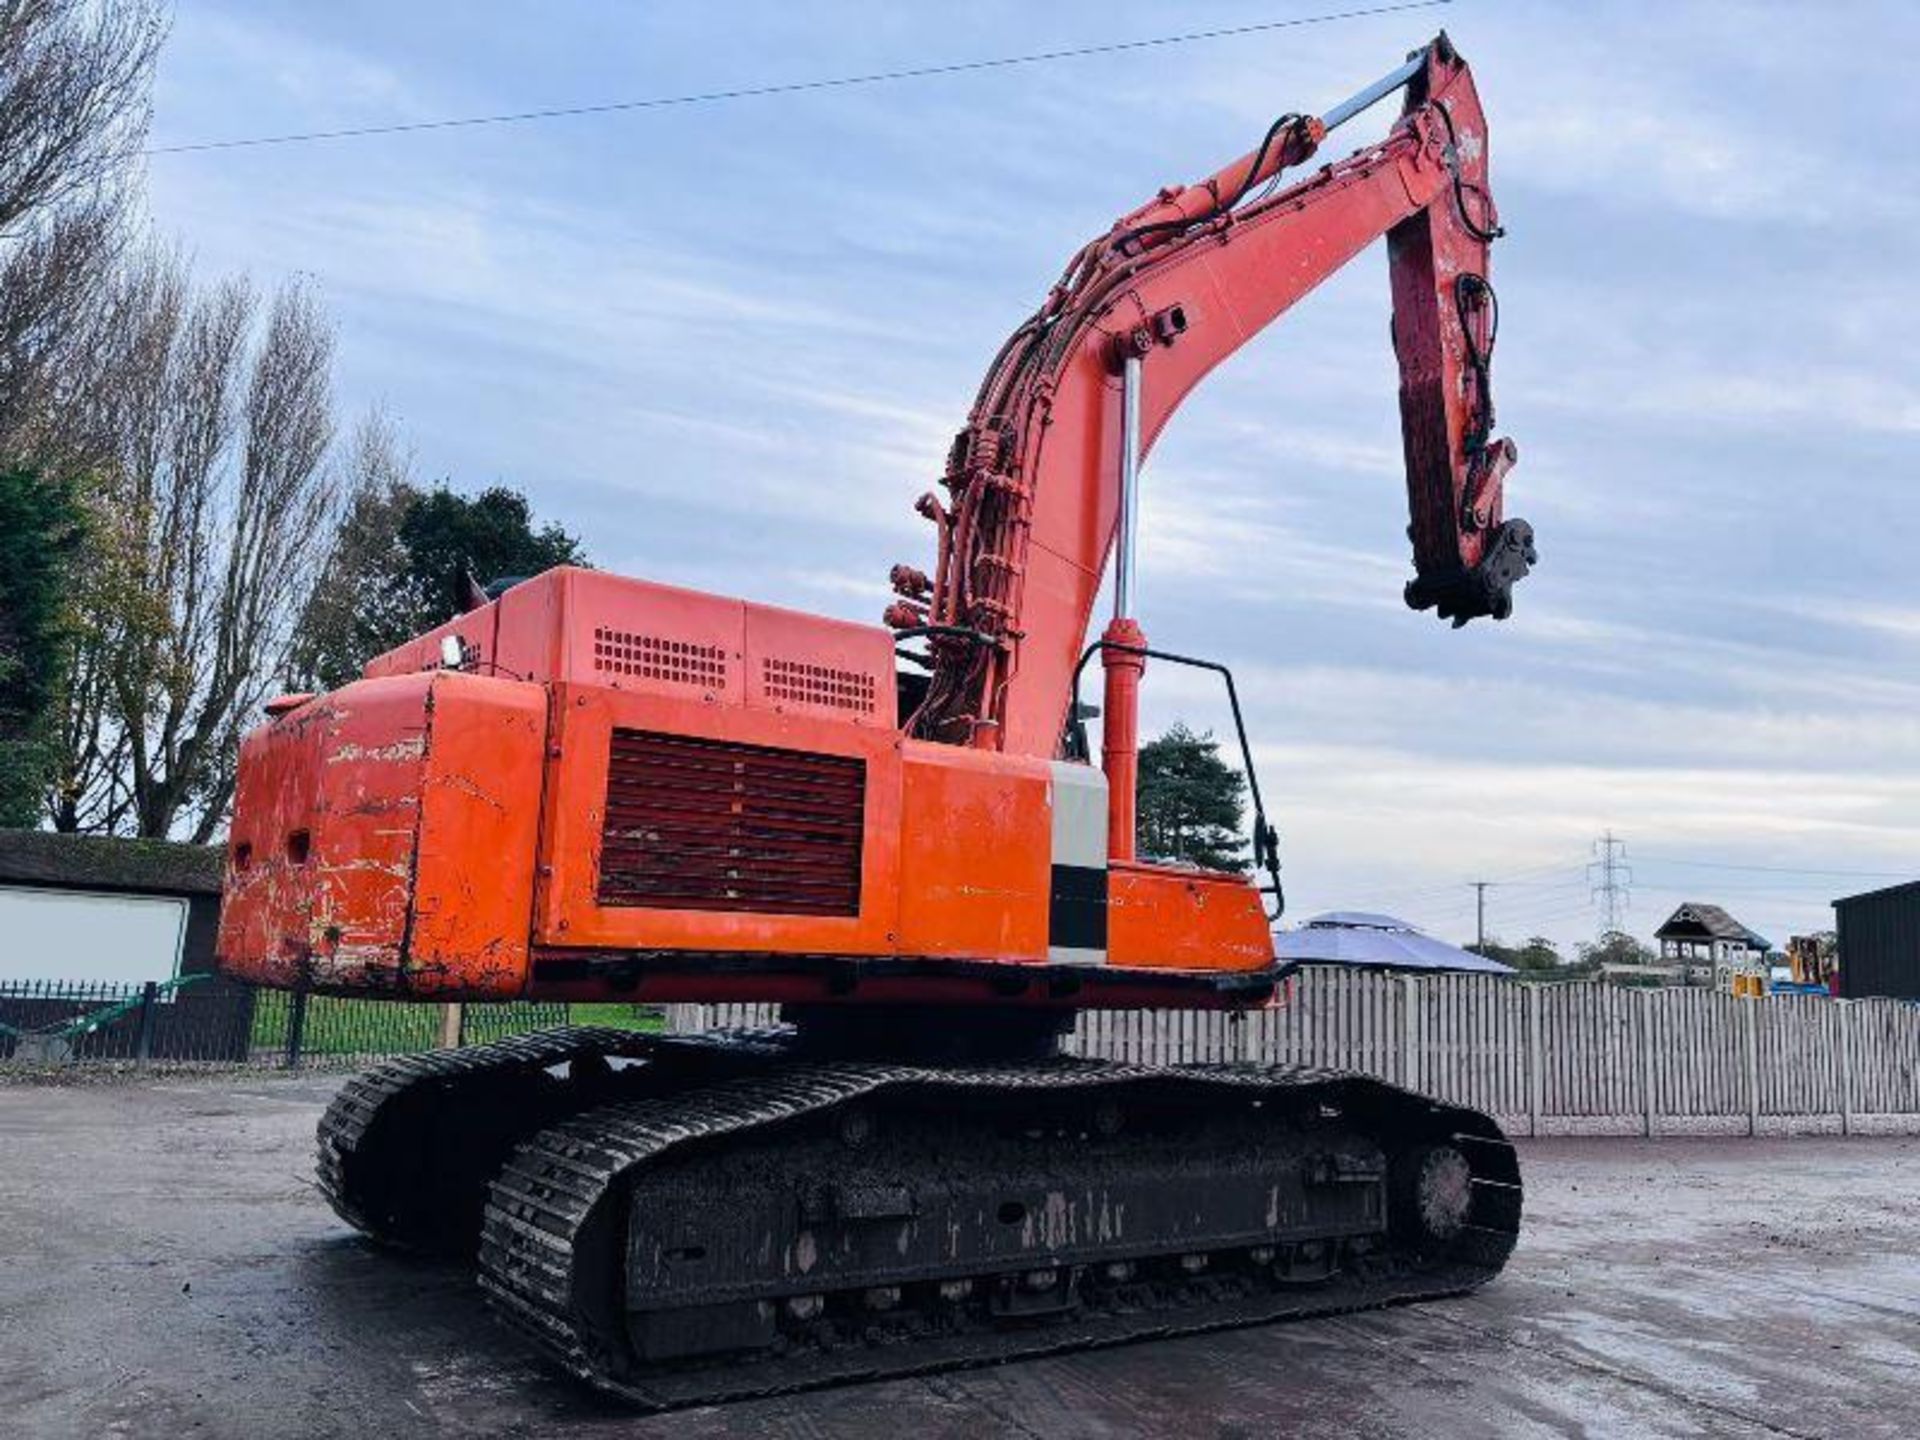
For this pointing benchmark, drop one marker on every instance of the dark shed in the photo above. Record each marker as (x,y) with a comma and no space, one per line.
(99,864)
(211,1019)
(1879,941)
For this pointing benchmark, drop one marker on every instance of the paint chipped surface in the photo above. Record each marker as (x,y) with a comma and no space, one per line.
(388,836)
(396,751)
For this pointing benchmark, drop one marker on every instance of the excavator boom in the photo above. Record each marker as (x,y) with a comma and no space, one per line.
(1035,482)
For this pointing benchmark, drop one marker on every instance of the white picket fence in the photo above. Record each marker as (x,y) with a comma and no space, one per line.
(1575,1059)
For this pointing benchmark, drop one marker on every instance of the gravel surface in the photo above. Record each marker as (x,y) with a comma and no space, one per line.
(169,1270)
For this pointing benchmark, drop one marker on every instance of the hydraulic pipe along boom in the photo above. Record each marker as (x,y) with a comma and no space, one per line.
(1123,570)
(1122,665)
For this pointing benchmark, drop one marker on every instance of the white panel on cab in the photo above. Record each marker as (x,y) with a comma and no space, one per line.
(105,939)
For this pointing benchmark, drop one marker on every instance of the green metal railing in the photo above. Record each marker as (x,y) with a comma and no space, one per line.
(206,1019)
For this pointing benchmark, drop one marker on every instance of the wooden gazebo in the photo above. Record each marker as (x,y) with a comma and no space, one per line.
(1711,944)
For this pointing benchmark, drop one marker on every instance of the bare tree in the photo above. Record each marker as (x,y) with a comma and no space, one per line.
(214,520)
(200,418)
(50,280)
(76,94)
(355,598)
(75,99)
(91,785)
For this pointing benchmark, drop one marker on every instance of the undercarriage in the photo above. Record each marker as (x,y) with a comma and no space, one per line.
(682,1220)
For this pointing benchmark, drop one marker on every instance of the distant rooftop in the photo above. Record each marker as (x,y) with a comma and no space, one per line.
(1369,940)
(1361,920)
(1902,887)
(97,862)
(1695,921)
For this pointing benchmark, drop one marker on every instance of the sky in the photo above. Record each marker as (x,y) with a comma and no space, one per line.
(728,344)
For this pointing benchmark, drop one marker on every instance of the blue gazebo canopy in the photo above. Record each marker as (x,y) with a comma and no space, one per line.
(1379,942)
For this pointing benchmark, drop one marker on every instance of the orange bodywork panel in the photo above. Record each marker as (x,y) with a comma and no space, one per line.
(953,860)
(642,781)
(385,838)
(974,854)
(570,910)
(1173,917)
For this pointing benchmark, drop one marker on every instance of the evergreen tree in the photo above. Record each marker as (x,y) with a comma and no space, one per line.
(491,535)
(1190,802)
(391,573)
(1616,947)
(1537,956)
(41,529)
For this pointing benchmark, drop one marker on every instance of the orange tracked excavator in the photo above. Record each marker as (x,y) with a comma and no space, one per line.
(594,788)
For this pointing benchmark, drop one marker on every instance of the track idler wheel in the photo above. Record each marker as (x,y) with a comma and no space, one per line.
(1429,1195)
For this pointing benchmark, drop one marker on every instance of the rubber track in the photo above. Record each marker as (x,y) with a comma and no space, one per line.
(554,1181)
(360,1102)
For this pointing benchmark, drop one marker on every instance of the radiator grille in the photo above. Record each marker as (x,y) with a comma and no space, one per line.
(827,685)
(654,657)
(697,824)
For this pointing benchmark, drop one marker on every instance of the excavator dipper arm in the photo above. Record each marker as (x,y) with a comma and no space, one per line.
(1034,481)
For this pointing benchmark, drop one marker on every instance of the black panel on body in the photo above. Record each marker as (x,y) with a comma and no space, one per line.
(1077,914)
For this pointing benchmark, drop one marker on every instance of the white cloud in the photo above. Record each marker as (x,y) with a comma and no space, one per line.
(1897,620)
(1723,397)
(307,78)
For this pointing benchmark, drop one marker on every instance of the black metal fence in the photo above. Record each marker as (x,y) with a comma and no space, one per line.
(210,1020)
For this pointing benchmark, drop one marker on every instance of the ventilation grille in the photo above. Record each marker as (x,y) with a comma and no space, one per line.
(804,684)
(622,652)
(707,825)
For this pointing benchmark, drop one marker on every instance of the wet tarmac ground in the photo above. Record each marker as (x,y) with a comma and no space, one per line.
(167,1269)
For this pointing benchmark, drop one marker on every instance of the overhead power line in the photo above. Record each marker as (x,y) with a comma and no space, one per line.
(1776,869)
(1541,914)
(1698,888)
(792,87)
(1501,912)
(1575,881)
(1569,875)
